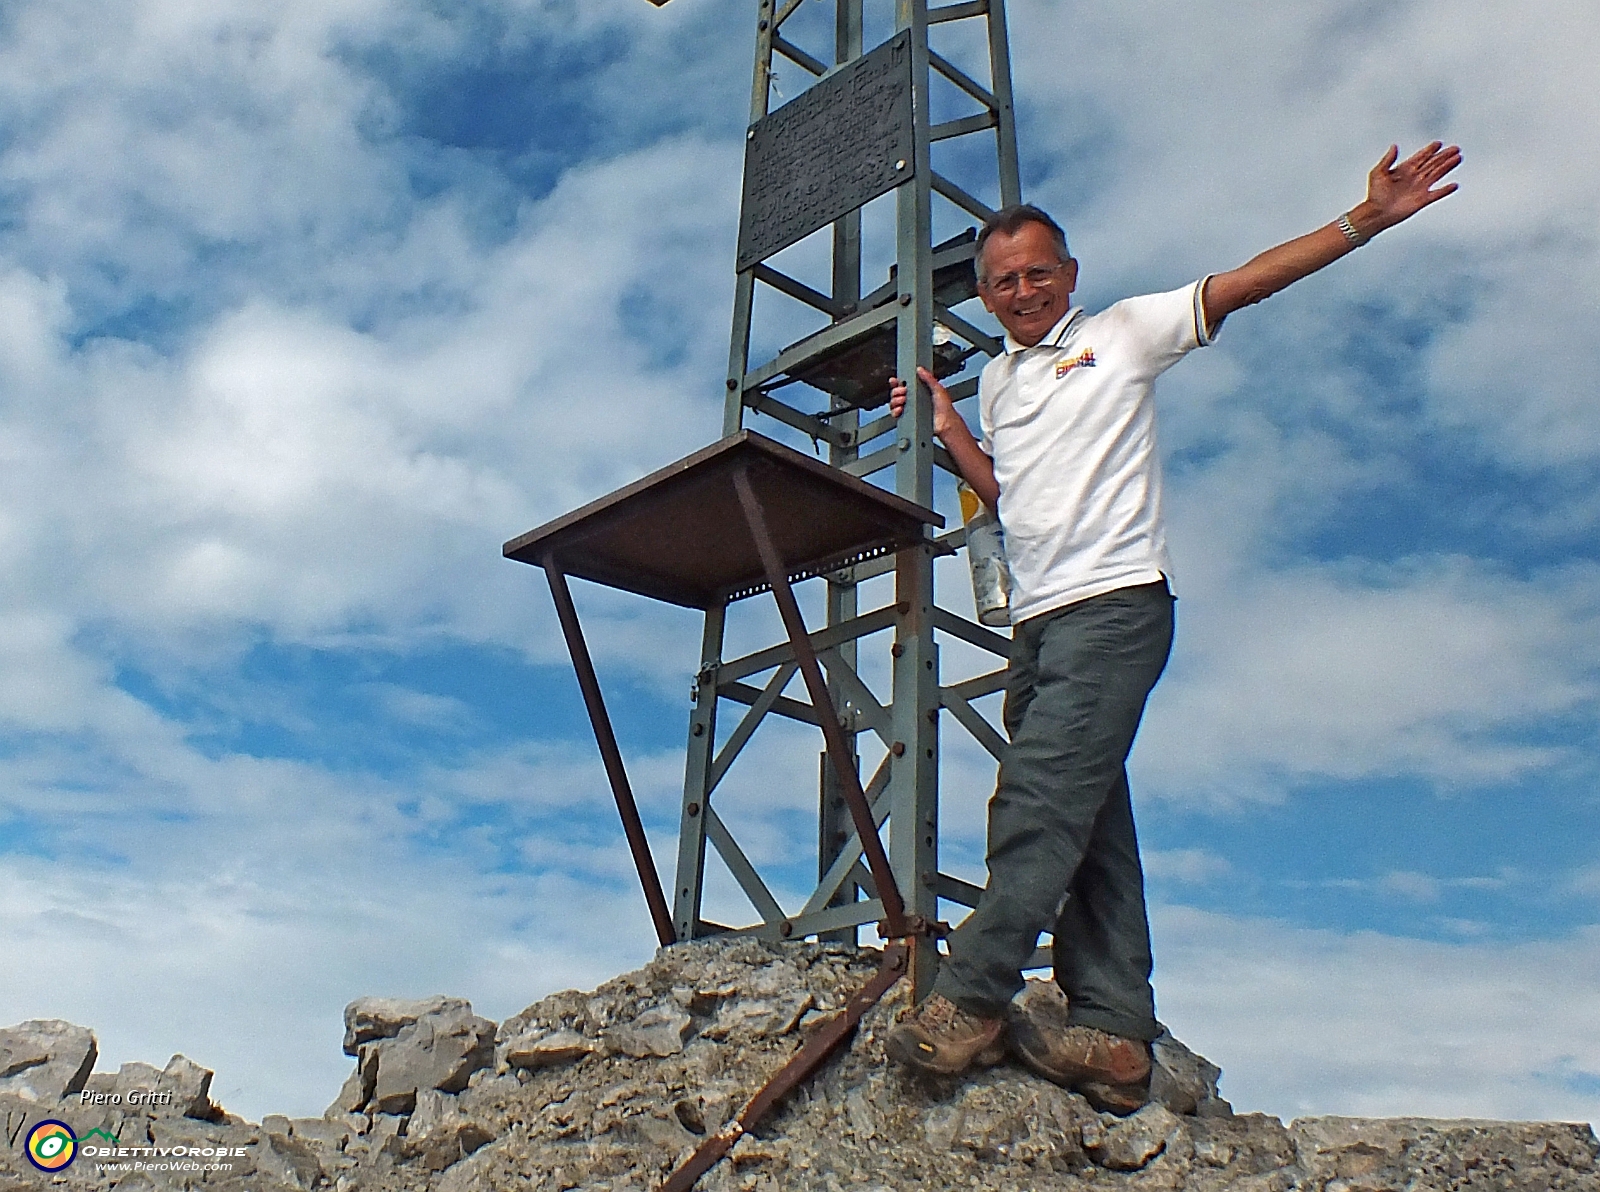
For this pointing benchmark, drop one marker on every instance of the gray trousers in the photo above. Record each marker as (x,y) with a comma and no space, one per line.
(1063,856)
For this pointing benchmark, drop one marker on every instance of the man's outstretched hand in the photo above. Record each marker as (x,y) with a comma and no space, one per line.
(1397,190)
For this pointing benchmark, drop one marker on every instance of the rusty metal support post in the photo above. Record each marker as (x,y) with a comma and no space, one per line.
(610,754)
(817,686)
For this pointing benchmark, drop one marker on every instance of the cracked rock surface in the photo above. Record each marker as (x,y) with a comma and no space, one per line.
(608,1091)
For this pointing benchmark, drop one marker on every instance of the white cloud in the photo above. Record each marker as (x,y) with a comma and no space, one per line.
(1195,865)
(249,977)
(1418,887)
(229,907)
(290,471)
(1433,670)
(1308,1022)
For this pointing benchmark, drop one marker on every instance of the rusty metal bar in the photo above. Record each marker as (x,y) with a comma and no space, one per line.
(823,1042)
(811,671)
(610,754)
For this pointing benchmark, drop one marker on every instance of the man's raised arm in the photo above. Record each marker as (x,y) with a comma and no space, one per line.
(1395,192)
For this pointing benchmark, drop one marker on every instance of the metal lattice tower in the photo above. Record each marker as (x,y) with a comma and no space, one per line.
(868,334)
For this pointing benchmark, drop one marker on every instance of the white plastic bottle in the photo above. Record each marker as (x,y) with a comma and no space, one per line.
(986,556)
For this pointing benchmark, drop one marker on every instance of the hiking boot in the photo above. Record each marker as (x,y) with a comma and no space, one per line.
(1111,1072)
(942,1039)
(1120,1099)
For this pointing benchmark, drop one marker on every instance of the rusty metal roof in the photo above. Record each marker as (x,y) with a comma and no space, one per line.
(679,535)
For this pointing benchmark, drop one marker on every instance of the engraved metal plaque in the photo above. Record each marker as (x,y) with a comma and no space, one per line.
(828,151)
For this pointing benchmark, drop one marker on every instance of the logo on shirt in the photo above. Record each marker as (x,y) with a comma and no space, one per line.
(1084,359)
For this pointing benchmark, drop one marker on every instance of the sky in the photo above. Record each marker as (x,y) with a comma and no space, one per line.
(306,308)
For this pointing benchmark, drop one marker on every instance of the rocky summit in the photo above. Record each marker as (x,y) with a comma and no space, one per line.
(611,1090)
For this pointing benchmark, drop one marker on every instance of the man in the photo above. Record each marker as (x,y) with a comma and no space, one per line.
(1068,462)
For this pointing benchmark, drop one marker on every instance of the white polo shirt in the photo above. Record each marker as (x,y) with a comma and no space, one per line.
(1071,427)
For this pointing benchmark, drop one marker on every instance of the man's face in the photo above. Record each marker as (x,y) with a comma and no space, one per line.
(1026,307)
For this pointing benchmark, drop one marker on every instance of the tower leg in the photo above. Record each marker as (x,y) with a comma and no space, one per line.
(697,782)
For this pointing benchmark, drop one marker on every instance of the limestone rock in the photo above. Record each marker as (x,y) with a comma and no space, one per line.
(439,1134)
(369,1018)
(999,1119)
(169,1133)
(440,1049)
(655,1075)
(319,1132)
(286,1158)
(383,1136)
(468,1176)
(134,1081)
(659,1031)
(1183,1081)
(759,1018)
(536,1050)
(184,1088)
(1398,1154)
(355,1093)
(1127,1144)
(46,1059)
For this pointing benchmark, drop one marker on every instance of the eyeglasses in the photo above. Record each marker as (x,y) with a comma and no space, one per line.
(1038,276)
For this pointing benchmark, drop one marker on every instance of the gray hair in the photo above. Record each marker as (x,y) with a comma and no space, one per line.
(1010,221)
